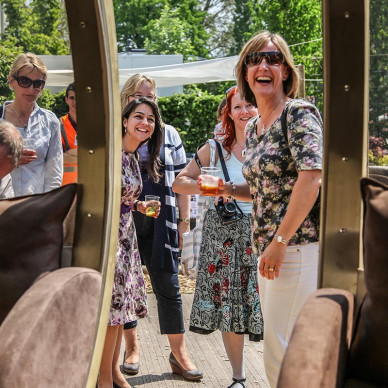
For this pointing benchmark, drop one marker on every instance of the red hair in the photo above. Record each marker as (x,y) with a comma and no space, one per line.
(227,123)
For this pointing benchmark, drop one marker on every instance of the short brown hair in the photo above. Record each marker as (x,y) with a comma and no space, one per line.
(256,43)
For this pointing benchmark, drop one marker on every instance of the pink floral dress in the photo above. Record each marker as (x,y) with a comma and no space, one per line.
(129,299)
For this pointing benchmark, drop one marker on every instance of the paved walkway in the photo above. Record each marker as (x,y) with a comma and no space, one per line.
(206,351)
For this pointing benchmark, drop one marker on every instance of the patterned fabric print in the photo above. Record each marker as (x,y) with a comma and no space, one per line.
(271,169)
(129,299)
(226,292)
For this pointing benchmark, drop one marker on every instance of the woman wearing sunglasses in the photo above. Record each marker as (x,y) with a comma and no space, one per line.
(40,167)
(283,169)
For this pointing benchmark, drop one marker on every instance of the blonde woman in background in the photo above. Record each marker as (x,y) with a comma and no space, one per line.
(41,165)
(159,240)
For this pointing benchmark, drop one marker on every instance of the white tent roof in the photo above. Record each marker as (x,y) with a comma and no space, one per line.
(213,70)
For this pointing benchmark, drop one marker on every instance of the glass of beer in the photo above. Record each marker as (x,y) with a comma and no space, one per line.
(152,205)
(210,177)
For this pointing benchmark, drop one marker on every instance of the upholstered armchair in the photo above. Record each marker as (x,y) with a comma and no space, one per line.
(48,314)
(330,345)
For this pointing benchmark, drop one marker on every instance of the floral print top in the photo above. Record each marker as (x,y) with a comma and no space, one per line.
(271,169)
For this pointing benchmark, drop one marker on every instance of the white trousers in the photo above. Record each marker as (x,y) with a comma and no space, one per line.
(281,300)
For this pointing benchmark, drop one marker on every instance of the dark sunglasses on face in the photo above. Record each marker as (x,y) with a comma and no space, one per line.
(25,82)
(271,57)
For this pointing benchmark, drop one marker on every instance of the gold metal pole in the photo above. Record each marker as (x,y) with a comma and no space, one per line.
(346,90)
(93,44)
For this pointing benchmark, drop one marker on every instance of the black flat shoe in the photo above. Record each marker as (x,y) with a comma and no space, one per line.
(129,368)
(193,374)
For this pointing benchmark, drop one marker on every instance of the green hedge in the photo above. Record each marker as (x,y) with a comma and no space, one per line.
(193,115)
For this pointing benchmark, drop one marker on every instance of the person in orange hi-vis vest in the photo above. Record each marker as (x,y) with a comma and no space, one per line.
(69,138)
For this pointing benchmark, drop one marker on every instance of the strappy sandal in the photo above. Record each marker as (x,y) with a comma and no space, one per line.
(238,381)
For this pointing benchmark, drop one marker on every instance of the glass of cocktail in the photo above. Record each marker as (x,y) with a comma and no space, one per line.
(152,205)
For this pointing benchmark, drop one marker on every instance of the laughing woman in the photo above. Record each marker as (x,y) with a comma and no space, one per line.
(141,122)
(283,169)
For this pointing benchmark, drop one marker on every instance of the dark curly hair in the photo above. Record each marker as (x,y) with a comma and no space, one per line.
(154,142)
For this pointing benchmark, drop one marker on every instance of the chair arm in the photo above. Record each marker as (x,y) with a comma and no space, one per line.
(318,347)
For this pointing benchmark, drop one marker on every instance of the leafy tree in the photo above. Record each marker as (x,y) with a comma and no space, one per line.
(132,18)
(218,23)
(138,21)
(171,34)
(378,93)
(41,30)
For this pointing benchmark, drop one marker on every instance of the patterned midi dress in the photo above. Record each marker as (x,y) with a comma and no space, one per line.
(129,299)
(227,293)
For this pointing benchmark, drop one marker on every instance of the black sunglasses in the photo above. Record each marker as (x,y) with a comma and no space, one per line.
(25,82)
(271,57)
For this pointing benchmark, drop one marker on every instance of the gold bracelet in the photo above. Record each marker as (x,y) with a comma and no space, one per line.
(186,220)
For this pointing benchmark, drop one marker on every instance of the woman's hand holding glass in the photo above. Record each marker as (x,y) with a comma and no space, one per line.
(29,153)
(209,181)
(150,207)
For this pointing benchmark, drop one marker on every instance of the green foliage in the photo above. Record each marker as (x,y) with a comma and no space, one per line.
(167,27)
(7,56)
(46,99)
(169,35)
(378,92)
(59,106)
(37,27)
(194,116)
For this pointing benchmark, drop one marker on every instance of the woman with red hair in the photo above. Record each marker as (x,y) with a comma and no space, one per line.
(226,293)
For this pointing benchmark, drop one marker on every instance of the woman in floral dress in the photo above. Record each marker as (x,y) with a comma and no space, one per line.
(283,169)
(226,292)
(141,123)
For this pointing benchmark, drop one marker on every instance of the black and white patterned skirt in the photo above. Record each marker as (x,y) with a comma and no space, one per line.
(226,292)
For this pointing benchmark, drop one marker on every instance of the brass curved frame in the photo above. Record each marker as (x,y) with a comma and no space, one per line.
(94,49)
(346,96)
(346,40)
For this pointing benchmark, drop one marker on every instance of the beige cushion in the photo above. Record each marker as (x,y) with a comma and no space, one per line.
(47,338)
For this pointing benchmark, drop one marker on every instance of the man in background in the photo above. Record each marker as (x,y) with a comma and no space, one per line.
(69,138)
(11,148)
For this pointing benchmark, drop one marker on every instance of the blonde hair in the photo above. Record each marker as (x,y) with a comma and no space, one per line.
(256,43)
(30,61)
(132,85)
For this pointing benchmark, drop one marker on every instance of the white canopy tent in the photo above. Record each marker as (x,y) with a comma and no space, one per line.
(213,70)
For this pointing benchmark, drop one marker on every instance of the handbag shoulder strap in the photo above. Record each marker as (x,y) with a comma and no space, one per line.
(222,160)
(212,144)
(212,154)
(283,120)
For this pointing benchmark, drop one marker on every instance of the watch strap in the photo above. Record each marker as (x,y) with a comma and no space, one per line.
(281,239)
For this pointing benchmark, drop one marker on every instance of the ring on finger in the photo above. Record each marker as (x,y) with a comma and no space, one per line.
(271,269)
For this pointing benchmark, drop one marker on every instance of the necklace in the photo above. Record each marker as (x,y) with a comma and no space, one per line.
(25,125)
(263,129)
(243,150)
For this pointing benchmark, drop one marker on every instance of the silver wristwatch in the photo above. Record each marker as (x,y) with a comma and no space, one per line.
(281,239)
